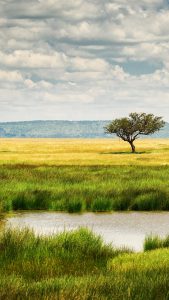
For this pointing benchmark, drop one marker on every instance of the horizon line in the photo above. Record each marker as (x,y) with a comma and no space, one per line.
(59,120)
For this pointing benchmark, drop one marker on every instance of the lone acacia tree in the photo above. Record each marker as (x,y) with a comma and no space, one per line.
(129,129)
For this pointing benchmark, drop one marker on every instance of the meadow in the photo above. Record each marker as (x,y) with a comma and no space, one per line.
(78,175)
(77,265)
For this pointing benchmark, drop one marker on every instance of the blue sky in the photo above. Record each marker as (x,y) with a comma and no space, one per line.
(83,60)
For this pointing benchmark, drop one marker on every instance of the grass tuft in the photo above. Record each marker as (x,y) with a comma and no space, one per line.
(36,199)
(75,205)
(78,265)
(155,242)
(101,205)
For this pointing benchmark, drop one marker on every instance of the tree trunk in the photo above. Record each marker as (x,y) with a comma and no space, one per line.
(133,148)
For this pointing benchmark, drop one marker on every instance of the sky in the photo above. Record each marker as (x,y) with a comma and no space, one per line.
(83,60)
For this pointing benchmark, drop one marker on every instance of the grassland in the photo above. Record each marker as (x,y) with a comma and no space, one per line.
(79,175)
(77,265)
(83,152)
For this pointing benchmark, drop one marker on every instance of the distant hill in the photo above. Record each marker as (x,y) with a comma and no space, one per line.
(62,129)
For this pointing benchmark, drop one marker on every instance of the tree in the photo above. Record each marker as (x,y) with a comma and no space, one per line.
(129,129)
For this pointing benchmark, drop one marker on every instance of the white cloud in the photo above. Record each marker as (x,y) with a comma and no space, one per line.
(61,59)
(31,59)
(12,76)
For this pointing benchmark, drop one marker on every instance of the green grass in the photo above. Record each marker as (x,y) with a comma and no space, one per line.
(77,265)
(77,175)
(87,188)
(154,242)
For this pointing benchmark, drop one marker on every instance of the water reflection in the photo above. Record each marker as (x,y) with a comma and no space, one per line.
(121,229)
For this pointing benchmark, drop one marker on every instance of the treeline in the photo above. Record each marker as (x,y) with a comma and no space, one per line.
(62,129)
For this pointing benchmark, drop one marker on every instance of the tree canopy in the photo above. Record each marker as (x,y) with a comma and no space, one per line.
(130,128)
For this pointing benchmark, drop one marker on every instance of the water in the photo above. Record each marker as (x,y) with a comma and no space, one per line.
(121,229)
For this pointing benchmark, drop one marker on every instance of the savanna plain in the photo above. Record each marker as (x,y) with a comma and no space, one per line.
(78,175)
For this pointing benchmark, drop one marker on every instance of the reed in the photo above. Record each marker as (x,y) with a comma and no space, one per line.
(78,265)
(154,242)
(87,188)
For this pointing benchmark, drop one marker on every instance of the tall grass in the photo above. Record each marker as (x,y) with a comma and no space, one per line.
(154,242)
(77,265)
(88,188)
(83,175)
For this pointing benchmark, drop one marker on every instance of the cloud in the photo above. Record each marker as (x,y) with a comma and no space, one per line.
(31,59)
(80,58)
(12,76)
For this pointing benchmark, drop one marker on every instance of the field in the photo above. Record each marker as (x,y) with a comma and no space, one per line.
(77,265)
(83,175)
(83,152)
(75,176)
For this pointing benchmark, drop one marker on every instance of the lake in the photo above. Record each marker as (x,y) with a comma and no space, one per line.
(119,228)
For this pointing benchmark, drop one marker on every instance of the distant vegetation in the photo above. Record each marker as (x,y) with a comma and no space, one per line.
(61,129)
(77,265)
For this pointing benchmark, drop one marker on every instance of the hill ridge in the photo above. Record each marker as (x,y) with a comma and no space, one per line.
(62,129)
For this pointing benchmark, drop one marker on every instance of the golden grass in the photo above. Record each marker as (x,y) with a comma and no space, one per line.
(83,152)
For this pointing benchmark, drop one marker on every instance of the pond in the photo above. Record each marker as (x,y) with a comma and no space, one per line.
(121,229)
